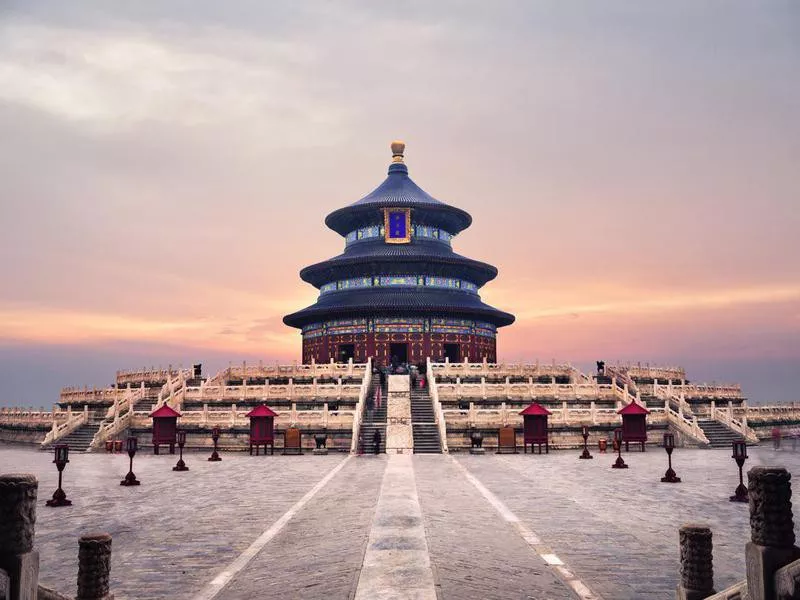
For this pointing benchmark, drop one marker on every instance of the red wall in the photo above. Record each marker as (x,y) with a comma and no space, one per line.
(421,345)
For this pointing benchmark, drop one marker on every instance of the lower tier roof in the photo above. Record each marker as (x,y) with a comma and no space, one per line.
(367,302)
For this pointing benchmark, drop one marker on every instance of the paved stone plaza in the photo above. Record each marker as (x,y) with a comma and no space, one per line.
(334,526)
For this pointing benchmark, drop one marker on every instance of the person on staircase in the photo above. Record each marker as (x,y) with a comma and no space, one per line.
(376,441)
(370,407)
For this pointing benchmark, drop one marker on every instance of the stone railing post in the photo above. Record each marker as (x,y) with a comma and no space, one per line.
(696,570)
(94,566)
(593,412)
(483,388)
(233,415)
(713,409)
(787,581)
(17,520)
(771,529)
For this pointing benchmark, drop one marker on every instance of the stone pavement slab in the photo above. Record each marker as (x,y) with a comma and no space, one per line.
(173,531)
(618,529)
(318,554)
(474,552)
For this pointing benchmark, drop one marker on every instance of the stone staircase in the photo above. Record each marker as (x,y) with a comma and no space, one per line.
(718,434)
(78,440)
(375,419)
(423,422)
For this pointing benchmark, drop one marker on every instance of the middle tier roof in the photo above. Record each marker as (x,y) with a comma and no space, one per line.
(377,258)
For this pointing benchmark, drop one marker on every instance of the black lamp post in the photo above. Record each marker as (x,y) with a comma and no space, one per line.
(585,434)
(619,463)
(61,459)
(740,455)
(131,444)
(214,436)
(669,446)
(181,466)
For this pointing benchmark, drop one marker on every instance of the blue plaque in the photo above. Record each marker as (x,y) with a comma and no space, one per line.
(397,225)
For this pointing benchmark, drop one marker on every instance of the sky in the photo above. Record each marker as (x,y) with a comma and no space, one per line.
(631,169)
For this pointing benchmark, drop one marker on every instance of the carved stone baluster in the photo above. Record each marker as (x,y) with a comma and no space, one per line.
(94,567)
(17,520)
(697,570)
(771,529)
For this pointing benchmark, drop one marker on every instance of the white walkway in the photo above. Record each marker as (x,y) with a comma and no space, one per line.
(397,563)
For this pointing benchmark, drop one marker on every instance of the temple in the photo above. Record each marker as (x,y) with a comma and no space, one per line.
(398,292)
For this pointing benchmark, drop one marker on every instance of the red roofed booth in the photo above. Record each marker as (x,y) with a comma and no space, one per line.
(262,428)
(165,427)
(634,424)
(535,417)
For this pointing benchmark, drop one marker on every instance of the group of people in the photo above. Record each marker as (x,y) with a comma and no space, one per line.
(416,373)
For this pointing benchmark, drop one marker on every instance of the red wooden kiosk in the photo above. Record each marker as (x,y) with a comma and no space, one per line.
(262,428)
(165,426)
(634,424)
(536,427)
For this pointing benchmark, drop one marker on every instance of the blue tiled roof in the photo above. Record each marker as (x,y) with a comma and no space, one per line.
(369,302)
(380,257)
(399,190)
(419,257)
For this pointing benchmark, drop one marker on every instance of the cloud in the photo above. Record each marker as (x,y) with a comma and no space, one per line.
(123,78)
(644,300)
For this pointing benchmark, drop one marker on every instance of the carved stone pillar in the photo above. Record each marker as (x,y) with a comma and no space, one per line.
(771,529)
(17,520)
(697,570)
(94,567)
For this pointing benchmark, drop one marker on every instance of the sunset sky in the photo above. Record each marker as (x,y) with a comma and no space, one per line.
(632,169)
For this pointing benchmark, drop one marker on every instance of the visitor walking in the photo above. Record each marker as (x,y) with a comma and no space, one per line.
(776,438)
(376,441)
(370,407)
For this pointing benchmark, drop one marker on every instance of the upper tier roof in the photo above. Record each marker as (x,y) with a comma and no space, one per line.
(398,190)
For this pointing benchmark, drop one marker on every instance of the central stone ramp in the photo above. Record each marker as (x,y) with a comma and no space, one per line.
(397,564)
(399,437)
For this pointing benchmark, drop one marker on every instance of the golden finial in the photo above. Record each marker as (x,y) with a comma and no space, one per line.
(398,147)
